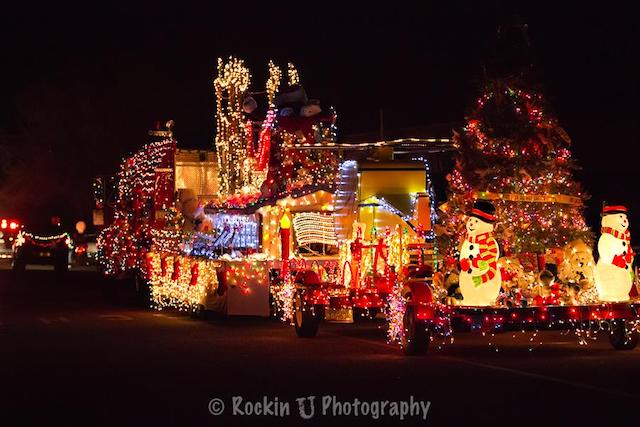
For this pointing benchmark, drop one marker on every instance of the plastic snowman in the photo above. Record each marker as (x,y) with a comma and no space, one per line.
(480,279)
(614,272)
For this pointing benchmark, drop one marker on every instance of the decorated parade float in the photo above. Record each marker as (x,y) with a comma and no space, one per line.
(284,220)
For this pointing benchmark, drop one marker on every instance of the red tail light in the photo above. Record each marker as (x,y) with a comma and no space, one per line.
(8,223)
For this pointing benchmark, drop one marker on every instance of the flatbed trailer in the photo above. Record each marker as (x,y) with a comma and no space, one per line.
(424,319)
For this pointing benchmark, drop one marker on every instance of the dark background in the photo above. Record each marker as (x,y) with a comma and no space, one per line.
(81,83)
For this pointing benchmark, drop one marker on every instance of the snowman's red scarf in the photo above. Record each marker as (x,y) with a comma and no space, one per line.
(622,235)
(480,238)
(488,252)
(621,260)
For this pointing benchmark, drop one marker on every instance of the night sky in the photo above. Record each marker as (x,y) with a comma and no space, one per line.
(82,83)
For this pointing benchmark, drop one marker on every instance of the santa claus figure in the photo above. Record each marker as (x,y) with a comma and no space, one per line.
(479,276)
(614,271)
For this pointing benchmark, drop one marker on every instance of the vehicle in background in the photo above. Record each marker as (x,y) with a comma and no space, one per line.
(85,250)
(9,229)
(46,246)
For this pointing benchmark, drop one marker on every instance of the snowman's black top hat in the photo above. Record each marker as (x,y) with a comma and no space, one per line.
(484,210)
(612,209)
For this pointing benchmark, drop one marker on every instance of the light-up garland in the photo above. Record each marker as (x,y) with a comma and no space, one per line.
(534,198)
(44,242)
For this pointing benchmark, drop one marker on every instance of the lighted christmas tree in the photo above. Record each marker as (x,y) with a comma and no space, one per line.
(513,152)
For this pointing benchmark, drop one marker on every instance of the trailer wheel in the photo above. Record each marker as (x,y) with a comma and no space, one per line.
(364,314)
(621,338)
(306,317)
(198,312)
(416,337)
(143,290)
(19,265)
(61,266)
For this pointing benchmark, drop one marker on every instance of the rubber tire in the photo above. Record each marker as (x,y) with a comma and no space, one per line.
(364,314)
(143,291)
(199,312)
(416,337)
(359,314)
(306,318)
(618,336)
(61,266)
(18,265)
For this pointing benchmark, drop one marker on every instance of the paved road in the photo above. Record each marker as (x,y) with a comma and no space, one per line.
(71,354)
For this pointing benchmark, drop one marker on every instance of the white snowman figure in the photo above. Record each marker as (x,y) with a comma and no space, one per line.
(480,279)
(614,271)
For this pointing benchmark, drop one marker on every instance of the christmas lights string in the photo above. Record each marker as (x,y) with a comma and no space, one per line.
(312,227)
(45,242)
